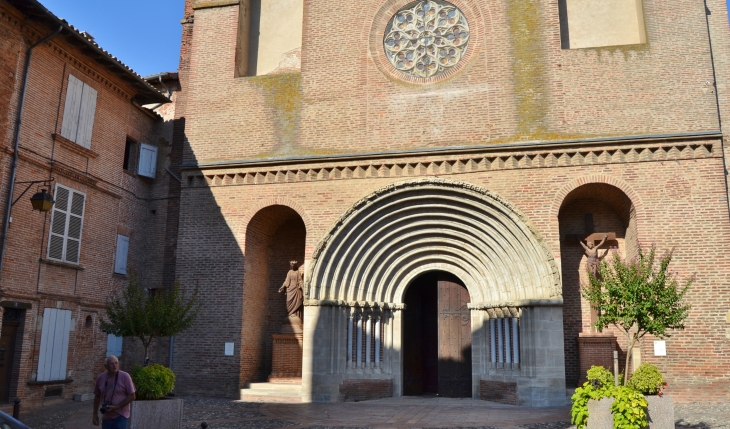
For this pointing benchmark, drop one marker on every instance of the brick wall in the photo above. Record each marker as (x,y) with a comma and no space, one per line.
(498,391)
(366,390)
(116,201)
(286,360)
(518,87)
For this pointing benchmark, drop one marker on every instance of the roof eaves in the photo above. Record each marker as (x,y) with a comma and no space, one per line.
(146,93)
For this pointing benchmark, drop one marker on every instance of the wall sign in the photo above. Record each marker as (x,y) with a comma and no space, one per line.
(660,348)
(229,349)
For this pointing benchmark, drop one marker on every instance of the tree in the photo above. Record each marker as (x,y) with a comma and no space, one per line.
(136,312)
(638,297)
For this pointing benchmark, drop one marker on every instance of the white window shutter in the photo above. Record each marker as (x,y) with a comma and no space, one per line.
(72,109)
(64,240)
(54,344)
(86,117)
(113,345)
(75,226)
(120,260)
(147,160)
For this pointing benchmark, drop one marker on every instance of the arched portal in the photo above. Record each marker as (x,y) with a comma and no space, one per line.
(357,279)
(437,337)
(588,213)
(391,236)
(275,235)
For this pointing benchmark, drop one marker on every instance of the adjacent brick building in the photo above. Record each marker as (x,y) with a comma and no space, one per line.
(87,140)
(539,125)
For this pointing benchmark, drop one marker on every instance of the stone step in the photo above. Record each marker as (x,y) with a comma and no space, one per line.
(272,392)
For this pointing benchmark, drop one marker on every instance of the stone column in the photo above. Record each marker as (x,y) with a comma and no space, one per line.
(368,339)
(378,317)
(350,321)
(359,339)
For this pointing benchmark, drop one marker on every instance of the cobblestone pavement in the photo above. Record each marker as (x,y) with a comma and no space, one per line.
(393,413)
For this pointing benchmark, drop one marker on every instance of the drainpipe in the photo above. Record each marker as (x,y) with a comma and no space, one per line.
(14,167)
(717,102)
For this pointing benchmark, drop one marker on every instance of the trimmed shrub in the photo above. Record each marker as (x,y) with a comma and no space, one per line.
(647,379)
(600,375)
(152,382)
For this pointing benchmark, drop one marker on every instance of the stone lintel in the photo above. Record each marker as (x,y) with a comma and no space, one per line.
(521,303)
(356,304)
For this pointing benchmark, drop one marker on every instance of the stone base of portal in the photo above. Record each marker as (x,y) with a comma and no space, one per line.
(595,349)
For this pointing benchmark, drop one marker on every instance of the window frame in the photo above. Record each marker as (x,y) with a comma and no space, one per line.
(65,236)
(52,323)
(81,102)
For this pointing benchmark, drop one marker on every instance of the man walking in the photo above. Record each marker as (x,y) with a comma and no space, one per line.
(113,393)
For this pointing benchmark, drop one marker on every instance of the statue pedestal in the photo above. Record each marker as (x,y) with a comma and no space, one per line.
(595,349)
(286,365)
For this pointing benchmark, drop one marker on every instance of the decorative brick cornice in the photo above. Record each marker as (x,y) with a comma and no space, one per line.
(455,164)
(74,147)
(207,4)
(90,72)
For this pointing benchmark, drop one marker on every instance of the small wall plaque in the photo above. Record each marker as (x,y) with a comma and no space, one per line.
(660,348)
(229,349)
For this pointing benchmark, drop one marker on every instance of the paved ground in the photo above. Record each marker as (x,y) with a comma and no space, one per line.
(396,413)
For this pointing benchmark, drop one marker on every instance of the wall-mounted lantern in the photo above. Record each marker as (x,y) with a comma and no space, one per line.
(41,200)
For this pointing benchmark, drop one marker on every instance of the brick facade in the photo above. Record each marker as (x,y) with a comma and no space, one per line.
(496,391)
(630,135)
(365,390)
(117,201)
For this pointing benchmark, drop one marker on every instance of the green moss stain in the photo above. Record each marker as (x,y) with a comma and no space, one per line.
(283,96)
(528,66)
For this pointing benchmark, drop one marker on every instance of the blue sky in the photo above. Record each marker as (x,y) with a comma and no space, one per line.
(143,34)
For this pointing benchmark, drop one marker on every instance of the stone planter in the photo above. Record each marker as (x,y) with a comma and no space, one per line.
(161,414)
(660,413)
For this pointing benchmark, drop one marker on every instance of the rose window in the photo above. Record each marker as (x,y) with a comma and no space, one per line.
(427,38)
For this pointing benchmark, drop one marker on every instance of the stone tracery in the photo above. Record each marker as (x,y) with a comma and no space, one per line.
(426,39)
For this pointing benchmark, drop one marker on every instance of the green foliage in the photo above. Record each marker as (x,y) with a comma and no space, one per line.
(133,312)
(579,410)
(638,294)
(647,379)
(153,381)
(628,408)
(601,375)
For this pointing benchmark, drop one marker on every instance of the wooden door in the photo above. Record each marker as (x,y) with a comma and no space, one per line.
(7,355)
(454,337)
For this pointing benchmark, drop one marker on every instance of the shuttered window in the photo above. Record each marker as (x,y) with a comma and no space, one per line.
(147,160)
(64,242)
(78,113)
(54,344)
(113,345)
(120,260)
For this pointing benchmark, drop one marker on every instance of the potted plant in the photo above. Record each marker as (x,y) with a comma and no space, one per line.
(152,408)
(638,297)
(650,382)
(640,404)
(134,312)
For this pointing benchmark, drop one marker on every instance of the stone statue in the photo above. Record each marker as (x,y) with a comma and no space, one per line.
(294,293)
(592,254)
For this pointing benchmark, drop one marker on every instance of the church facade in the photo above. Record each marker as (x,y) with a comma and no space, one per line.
(433,167)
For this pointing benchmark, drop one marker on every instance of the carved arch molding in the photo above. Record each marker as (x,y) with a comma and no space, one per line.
(389,237)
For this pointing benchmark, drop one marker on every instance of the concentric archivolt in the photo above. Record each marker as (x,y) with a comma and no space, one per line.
(384,240)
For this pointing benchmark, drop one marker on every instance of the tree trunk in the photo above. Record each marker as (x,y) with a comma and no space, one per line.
(629,354)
